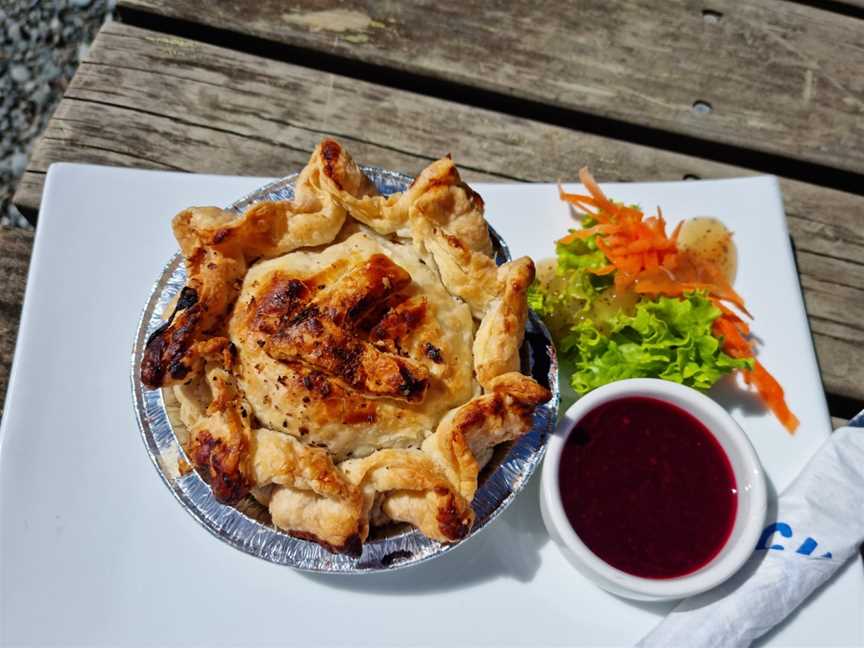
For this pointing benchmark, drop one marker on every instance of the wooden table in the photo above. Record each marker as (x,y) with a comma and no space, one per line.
(638,90)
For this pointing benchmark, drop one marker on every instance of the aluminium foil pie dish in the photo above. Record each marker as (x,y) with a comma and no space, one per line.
(246,524)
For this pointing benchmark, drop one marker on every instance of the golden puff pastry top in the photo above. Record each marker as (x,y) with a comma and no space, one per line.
(349,359)
(352,348)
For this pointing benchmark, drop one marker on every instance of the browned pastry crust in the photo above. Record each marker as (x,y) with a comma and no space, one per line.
(349,359)
(321,334)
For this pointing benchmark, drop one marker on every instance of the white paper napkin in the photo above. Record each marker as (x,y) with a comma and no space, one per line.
(819,526)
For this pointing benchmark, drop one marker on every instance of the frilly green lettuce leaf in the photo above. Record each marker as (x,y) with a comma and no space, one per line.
(665,337)
(668,338)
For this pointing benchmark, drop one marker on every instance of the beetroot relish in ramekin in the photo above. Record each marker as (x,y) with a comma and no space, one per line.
(652,490)
(647,487)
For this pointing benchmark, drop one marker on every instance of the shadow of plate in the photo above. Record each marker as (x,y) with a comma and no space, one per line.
(508,548)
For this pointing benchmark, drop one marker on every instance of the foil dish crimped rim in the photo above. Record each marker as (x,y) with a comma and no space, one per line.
(403,549)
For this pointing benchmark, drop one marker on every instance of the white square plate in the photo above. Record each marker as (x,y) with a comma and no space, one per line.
(94,549)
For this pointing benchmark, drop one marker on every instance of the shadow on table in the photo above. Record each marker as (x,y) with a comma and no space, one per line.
(658,608)
(736,399)
(508,548)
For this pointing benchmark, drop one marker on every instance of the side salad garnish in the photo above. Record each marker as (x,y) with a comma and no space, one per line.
(626,300)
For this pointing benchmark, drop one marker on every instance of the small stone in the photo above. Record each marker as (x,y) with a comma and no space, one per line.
(80,4)
(41,95)
(14,32)
(50,70)
(19,162)
(19,73)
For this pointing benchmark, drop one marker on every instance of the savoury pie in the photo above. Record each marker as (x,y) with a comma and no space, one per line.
(348,359)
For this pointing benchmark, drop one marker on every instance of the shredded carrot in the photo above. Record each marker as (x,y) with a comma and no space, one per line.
(734,342)
(593,188)
(772,393)
(740,324)
(734,330)
(647,261)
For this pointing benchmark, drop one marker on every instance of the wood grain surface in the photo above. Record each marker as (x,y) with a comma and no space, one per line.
(15,247)
(778,77)
(148,100)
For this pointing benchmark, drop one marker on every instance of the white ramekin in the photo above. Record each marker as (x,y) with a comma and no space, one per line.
(749,477)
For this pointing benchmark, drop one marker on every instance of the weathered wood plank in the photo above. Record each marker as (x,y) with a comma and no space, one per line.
(15,247)
(782,78)
(28,193)
(146,100)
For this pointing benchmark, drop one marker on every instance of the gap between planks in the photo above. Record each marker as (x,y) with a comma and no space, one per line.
(851,8)
(381,56)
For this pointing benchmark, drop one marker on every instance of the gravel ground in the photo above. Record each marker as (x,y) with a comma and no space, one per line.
(41,42)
